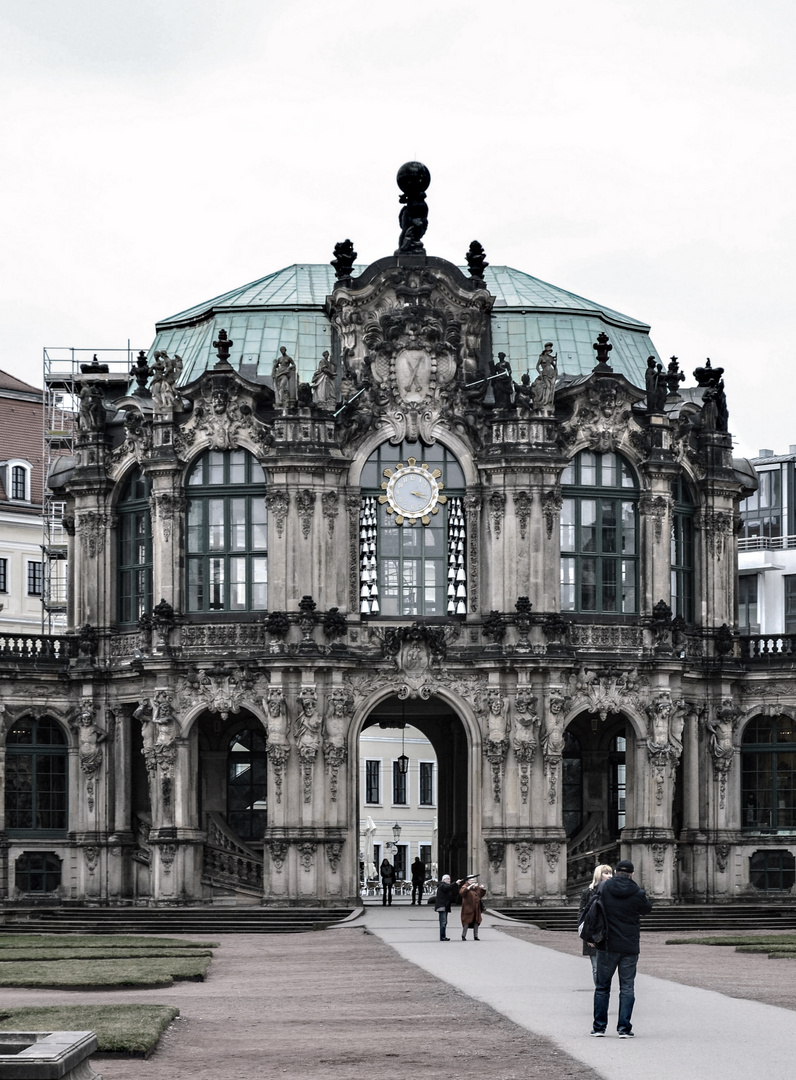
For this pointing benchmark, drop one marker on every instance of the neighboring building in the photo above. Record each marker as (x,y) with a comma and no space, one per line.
(767,548)
(21,569)
(392,794)
(533,565)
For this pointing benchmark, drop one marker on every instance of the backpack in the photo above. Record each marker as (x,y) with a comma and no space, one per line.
(594,926)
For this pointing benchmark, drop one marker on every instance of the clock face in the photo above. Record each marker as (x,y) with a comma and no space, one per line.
(413,492)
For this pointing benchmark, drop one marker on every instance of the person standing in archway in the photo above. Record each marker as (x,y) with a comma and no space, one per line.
(418,879)
(471,893)
(387,872)
(442,905)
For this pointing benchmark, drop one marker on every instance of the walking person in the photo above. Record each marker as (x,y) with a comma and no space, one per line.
(387,872)
(442,905)
(471,893)
(601,873)
(418,879)
(624,902)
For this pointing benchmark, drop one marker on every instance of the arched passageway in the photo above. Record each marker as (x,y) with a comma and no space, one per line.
(444,730)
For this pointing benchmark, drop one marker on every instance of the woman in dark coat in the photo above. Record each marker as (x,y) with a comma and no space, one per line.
(601,873)
(471,893)
(387,872)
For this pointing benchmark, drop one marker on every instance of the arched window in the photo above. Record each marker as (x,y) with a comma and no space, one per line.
(682,551)
(36,778)
(768,796)
(412,532)
(134,550)
(227,533)
(599,535)
(247,803)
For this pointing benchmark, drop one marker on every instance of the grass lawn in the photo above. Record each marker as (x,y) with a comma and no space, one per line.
(94,960)
(132,1029)
(779,947)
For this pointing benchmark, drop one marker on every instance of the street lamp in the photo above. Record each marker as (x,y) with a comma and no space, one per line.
(403,760)
(396,836)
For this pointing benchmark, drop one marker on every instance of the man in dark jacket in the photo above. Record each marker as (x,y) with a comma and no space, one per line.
(442,904)
(624,904)
(418,879)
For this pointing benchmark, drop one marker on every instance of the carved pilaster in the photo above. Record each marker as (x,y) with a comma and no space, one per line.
(552,502)
(305,502)
(522,510)
(277,503)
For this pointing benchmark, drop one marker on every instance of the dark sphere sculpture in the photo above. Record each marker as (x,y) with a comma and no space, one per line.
(413,178)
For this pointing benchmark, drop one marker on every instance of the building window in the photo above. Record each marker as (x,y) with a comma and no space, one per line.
(34,578)
(227,533)
(617,784)
(790,603)
(424,851)
(599,529)
(134,550)
(36,778)
(37,872)
(372,781)
(772,871)
(426,783)
(19,482)
(761,513)
(572,785)
(247,784)
(413,569)
(3,575)
(399,794)
(769,774)
(682,551)
(748,621)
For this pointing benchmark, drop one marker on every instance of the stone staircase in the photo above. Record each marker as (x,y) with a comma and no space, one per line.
(194,920)
(674,918)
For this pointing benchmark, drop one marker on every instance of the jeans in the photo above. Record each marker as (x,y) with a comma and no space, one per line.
(443,925)
(607,964)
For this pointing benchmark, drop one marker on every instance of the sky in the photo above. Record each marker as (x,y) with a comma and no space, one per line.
(641,154)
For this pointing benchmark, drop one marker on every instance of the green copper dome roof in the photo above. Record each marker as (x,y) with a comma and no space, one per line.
(286,308)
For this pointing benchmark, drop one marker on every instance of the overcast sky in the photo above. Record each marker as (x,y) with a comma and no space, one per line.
(639,153)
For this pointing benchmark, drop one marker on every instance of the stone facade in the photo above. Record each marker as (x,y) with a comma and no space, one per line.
(564,731)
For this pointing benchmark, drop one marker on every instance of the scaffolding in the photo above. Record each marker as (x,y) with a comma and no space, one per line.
(63,371)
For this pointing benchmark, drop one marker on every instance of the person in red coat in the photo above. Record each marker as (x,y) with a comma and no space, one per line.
(471,893)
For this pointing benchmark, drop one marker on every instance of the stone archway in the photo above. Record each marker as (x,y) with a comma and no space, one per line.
(446,732)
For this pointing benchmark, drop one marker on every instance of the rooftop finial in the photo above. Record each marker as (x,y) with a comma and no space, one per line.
(413,179)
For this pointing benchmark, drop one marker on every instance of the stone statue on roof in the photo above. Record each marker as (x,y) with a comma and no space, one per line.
(285,380)
(544,385)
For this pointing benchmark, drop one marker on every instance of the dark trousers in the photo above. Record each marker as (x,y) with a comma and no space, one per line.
(417,888)
(386,893)
(443,924)
(607,964)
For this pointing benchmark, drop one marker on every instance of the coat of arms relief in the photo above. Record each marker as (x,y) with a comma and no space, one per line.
(411,350)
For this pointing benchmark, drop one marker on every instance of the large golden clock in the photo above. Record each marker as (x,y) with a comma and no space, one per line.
(413,492)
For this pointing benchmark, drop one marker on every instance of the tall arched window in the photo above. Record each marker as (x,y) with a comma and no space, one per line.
(36,778)
(599,535)
(134,550)
(768,794)
(227,533)
(412,532)
(247,806)
(682,551)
